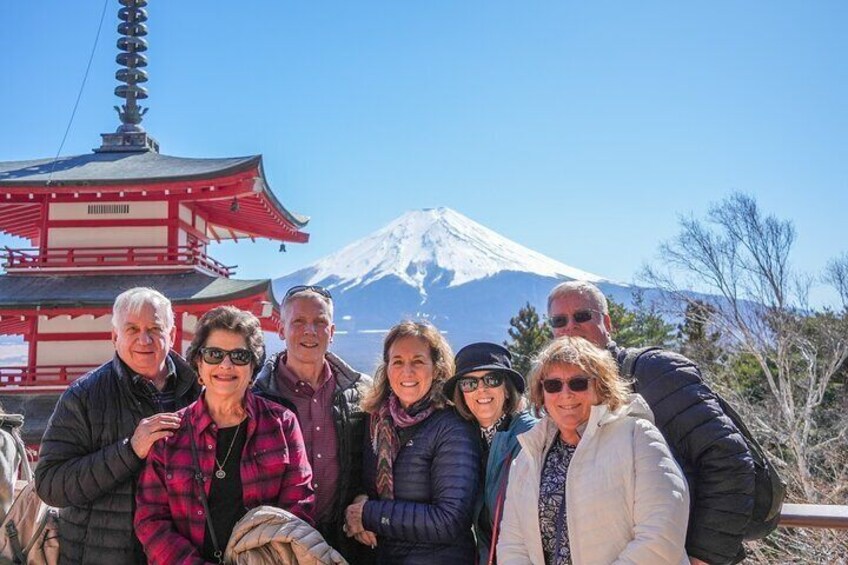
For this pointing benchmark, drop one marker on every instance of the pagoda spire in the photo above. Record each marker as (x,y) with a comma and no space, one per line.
(130,136)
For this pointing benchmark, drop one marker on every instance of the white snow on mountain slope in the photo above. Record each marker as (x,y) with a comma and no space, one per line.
(423,247)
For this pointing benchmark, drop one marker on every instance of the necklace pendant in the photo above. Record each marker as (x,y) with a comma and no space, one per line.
(220,473)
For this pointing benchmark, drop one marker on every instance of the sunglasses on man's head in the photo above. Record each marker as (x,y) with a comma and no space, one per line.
(577,384)
(215,356)
(489,380)
(579,317)
(307,287)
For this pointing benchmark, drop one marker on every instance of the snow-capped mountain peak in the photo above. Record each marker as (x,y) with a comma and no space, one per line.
(434,246)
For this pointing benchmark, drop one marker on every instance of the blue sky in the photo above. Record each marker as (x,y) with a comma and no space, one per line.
(580,129)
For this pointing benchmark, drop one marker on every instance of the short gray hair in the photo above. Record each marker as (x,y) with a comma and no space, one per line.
(310,295)
(583,288)
(134,299)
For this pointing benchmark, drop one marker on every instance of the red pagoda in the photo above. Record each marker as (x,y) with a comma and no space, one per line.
(122,216)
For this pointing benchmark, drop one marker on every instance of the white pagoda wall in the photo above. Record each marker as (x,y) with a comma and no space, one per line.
(110,235)
(78,351)
(117,237)
(92,352)
(194,220)
(189,327)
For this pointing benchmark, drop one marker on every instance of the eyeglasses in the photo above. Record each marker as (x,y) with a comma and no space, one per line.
(576,384)
(579,317)
(489,380)
(308,287)
(215,356)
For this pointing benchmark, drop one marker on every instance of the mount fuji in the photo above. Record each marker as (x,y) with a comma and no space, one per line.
(439,265)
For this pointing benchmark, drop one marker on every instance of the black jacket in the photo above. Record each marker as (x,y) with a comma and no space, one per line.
(349,421)
(87,466)
(707,446)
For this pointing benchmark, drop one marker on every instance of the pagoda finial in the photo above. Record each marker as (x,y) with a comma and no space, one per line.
(132,29)
(130,136)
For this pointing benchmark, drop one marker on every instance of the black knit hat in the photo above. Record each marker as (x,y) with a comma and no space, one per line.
(484,356)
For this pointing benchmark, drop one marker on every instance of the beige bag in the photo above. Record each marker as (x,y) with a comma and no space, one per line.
(30,531)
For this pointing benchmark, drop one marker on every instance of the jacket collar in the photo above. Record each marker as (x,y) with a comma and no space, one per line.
(345,375)
(186,378)
(201,419)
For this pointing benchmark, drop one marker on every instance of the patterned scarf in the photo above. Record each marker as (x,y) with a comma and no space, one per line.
(385,441)
(488,433)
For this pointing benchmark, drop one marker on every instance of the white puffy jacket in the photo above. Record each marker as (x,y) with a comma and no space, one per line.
(626,497)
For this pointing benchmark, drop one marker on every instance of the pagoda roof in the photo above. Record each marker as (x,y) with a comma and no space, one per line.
(212,185)
(109,168)
(20,292)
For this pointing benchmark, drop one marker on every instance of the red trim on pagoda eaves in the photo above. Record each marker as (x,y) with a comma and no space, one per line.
(22,379)
(191,230)
(111,223)
(55,311)
(251,302)
(132,190)
(178,335)
(173,222)
(42,238)
(32,345)
(21,219)
(75,336)
(256,216)
(99,260)
(13,325)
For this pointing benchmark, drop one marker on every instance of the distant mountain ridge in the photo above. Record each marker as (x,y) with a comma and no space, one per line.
(438,265)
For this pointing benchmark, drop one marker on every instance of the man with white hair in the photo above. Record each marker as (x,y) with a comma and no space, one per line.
(709,448)
(104,426)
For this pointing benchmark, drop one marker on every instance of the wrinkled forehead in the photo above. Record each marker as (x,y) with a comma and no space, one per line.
(576,300)
(307,301)
(147,313)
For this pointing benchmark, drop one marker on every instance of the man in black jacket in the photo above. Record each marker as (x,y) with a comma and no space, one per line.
(707,445)
(105,424)
(324,392)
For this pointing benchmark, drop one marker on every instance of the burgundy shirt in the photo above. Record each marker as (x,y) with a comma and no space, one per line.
(315,414)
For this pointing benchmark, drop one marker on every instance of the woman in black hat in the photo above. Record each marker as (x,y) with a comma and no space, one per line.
(488,391)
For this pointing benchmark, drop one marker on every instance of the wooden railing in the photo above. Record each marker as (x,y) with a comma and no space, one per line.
(830,516)
(24,378)
(109,258)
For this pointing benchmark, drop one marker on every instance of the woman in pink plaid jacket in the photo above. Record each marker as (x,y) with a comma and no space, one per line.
(249,451)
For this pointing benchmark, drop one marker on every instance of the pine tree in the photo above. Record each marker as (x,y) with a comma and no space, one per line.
(528,334)
(699,340)
(640,327)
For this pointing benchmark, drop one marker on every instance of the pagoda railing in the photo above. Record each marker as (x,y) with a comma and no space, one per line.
(25,378)
(109,258)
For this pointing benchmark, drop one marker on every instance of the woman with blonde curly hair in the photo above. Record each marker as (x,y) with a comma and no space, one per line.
(421,466)
(595,481)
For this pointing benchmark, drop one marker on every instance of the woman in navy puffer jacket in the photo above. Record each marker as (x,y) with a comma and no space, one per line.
(421,466)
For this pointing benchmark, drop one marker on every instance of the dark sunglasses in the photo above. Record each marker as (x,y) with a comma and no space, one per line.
(304,287)
(579,317)
(489,380)
(215,356)
(577,384)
